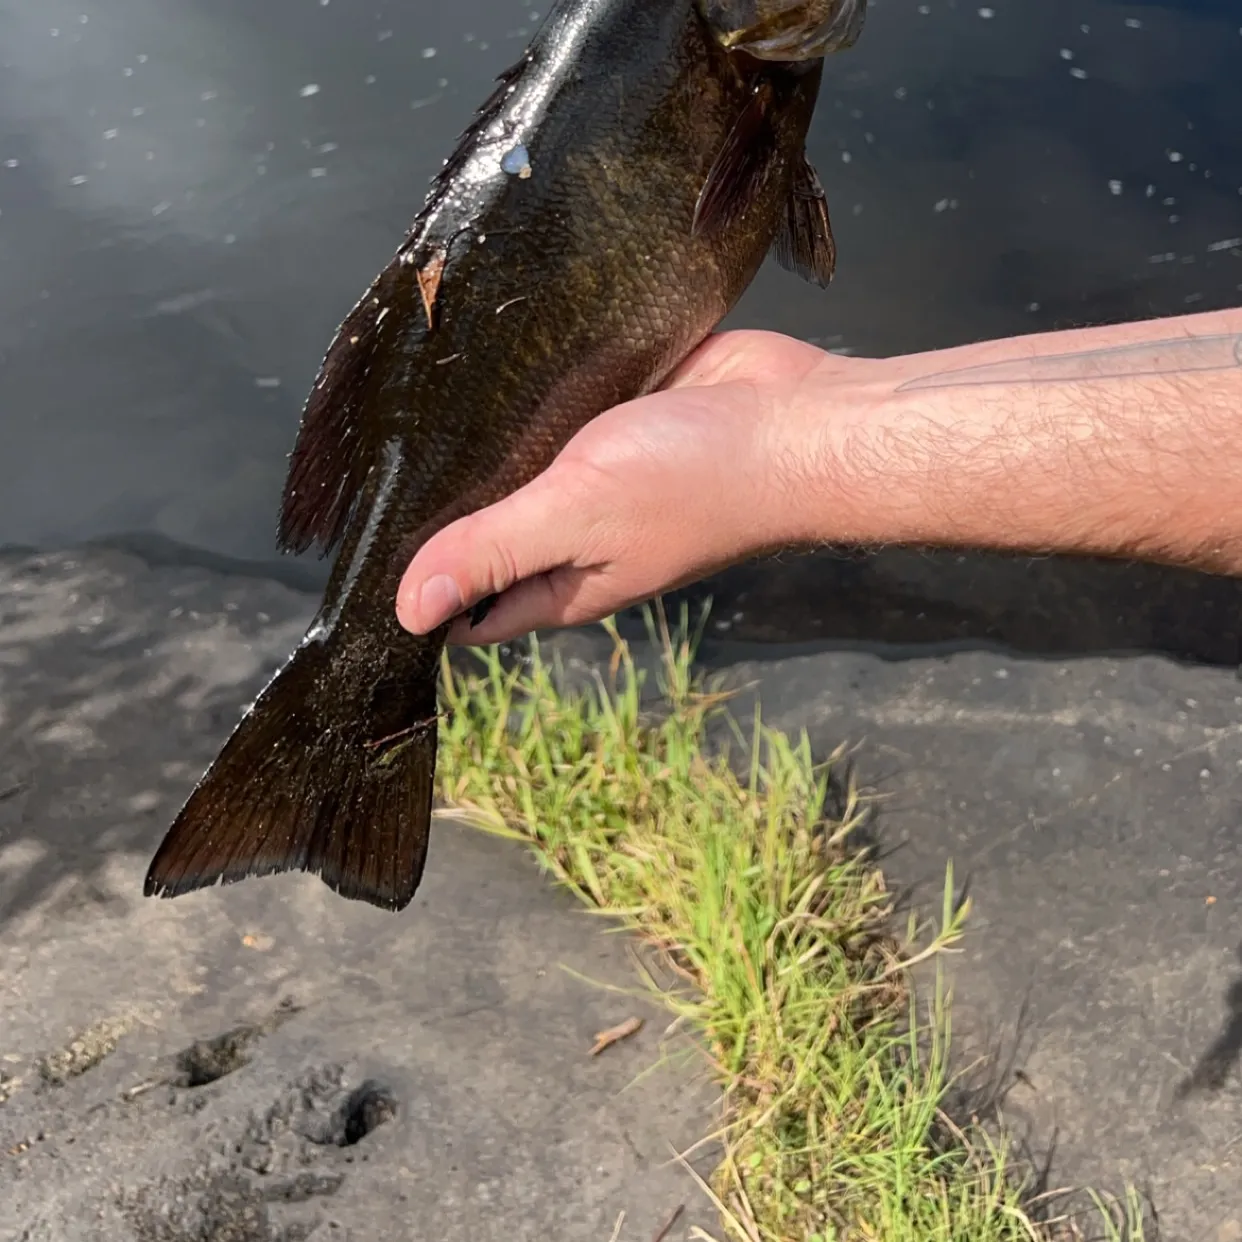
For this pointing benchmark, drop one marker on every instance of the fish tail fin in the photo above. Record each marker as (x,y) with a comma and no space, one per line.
(328,772)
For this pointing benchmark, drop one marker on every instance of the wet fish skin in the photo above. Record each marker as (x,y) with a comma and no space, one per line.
(605,210)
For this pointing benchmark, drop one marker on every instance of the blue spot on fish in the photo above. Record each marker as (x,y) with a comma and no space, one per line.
(517,162)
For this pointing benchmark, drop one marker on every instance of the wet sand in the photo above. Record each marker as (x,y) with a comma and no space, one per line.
(1089,806)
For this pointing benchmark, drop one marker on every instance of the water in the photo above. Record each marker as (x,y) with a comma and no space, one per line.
(194,192)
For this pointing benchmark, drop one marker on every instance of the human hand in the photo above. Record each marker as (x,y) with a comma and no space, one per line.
(649,496)
(760,441)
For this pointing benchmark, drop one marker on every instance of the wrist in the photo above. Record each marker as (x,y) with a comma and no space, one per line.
(852,461)
(1089,468)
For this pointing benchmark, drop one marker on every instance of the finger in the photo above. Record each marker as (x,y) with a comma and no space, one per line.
(534,604)
(484,554)
(568,596)
(564,597)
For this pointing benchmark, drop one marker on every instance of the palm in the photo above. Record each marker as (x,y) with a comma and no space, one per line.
(720,390)
(649,495)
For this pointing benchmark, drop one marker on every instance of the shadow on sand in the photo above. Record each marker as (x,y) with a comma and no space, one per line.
(1059,607)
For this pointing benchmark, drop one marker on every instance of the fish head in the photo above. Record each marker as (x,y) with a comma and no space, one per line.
(784,30)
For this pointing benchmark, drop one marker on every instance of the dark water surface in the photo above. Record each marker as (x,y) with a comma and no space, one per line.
(193,193)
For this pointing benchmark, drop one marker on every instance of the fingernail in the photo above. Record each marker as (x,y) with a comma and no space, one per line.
(438,601)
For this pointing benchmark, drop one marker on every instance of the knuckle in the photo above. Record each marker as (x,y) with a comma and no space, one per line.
(502,567)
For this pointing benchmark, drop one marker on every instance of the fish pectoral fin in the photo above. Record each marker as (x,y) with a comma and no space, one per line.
(339,440)
(742,166)
(804,244)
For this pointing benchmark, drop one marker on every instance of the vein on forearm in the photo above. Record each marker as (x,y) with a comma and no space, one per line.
(1174,356)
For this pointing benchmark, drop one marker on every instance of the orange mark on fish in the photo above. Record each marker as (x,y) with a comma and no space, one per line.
(429,277)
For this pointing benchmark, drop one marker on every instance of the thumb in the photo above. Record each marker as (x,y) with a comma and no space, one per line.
(483,554)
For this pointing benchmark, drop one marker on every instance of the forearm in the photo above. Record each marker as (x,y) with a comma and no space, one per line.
(1121,441)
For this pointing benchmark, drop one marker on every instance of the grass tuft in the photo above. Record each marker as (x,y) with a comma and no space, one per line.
(741,865)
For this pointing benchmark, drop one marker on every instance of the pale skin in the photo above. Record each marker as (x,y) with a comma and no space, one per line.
(1119,441)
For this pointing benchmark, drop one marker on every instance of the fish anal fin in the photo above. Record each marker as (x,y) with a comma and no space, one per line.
(804,243)
(741,167)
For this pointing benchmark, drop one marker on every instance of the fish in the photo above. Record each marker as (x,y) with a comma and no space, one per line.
(604,210)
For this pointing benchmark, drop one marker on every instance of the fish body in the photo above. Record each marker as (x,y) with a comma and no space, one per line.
(604,211)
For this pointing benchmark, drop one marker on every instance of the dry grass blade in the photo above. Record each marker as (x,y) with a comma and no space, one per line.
(665,1229)
(615,1034)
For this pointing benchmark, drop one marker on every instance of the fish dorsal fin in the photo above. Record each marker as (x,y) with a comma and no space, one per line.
(741,167)
(506,83)
(337,443)
(804,245)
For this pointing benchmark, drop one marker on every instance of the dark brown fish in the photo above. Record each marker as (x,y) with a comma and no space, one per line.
(605,210)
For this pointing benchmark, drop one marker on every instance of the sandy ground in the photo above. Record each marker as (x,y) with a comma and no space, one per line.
(270,1062)
(371,1076)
